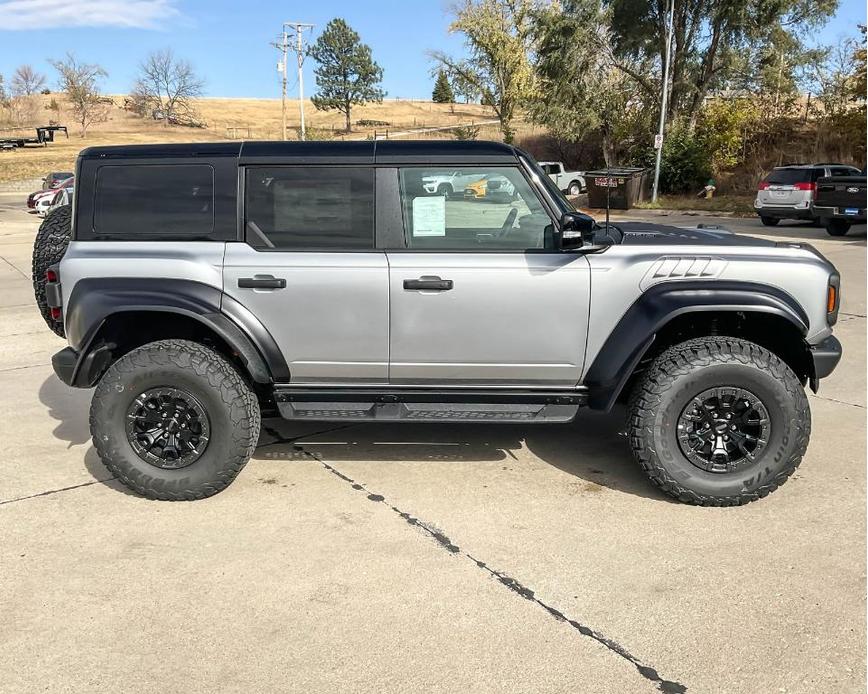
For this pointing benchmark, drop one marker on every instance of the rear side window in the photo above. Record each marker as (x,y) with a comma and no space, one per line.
(789,176)
(174,201)
(309,208)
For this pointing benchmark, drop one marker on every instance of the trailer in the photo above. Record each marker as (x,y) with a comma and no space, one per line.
(44,135)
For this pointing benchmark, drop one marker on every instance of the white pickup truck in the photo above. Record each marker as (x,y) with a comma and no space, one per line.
(570,182)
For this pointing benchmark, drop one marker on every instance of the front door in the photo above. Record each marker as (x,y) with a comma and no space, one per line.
(479,296)
(309,272)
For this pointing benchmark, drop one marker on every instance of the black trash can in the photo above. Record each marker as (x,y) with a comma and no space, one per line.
(625,187)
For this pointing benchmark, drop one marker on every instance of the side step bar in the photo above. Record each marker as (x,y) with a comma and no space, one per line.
(458,405)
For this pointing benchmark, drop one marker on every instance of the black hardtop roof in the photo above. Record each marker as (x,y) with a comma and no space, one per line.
(367,151)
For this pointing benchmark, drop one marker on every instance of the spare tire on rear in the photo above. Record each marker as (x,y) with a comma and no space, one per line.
(49,247)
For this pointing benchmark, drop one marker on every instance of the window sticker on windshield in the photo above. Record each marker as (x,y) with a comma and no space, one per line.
(429,216)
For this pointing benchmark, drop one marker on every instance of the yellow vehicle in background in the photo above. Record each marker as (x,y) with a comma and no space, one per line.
(493,187)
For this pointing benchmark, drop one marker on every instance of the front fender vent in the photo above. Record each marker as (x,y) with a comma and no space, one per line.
(683,268)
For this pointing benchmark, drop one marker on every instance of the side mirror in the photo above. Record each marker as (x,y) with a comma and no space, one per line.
(575,227)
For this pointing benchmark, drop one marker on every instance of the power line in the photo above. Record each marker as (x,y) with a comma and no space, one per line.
(284,46)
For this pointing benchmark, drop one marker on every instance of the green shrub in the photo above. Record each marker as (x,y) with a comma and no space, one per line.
(685,164)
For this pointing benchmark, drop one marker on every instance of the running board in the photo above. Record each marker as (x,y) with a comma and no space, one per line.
(459,405)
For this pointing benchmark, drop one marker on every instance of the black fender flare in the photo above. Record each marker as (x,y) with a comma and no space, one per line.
(657,306)
(95,300)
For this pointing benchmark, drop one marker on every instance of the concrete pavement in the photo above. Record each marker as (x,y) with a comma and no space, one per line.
(423,558)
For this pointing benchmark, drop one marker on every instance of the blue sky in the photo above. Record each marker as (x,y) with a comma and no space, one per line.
(228,40)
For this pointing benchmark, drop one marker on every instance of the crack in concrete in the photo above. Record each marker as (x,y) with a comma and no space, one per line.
(56,491)
(649,673)
(14,267)
(840,402)
(21,368)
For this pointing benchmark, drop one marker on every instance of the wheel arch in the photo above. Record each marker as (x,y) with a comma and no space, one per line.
(672,312)
(106,318)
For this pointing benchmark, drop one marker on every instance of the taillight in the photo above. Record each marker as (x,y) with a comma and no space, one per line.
(56,312)
(50,275)
(763,185)
(805,186)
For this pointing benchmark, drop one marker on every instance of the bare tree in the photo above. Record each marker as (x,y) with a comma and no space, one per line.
(165,89)
(26,81)
(80,81)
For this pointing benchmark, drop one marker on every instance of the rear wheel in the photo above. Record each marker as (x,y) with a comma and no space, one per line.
(575,188)
(837,227)
(719,421)
(49,248)
(769,221)
(174,420)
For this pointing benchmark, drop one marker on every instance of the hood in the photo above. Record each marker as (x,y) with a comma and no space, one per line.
(649,234)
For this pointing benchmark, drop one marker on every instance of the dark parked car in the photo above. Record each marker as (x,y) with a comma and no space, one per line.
(840,202)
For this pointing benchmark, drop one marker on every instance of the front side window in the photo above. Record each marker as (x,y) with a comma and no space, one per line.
(488,208)
(154,200)
(309,208)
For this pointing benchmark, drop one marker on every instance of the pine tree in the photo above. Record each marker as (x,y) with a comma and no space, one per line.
(443,93)
(346,74)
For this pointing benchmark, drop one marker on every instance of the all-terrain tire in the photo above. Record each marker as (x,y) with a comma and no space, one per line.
(231,407)
(678,376)
(837,227)
(770,221)
(49,248)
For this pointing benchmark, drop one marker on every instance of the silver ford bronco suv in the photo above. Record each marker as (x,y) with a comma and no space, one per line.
(204,286)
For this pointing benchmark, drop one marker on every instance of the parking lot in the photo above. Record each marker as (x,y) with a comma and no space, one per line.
(424,558)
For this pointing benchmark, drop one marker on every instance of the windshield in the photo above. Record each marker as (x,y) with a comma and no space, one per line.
(559,198)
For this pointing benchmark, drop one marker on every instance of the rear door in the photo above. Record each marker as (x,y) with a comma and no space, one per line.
(787,187)
(308,270)
(478,294)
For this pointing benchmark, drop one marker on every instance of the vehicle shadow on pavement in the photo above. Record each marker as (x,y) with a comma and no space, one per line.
(70,408)
(593,448)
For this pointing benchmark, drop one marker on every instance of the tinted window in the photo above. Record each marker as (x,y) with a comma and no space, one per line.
(789,176)
(492,208)
(844,171)
(302,208)
(175,201)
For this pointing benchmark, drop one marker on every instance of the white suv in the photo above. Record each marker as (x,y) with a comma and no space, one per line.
(788,191)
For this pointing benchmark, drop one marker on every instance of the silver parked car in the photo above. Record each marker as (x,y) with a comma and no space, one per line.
(788,191)
(207,285)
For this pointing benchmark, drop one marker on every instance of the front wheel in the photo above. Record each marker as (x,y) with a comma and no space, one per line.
(837,227)
(719,421)
(444,190)
(174,420)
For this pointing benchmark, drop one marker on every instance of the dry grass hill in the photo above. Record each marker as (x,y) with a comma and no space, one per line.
(229,119)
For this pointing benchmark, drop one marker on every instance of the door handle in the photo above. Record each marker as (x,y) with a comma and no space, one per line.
(429,283)
(261,282)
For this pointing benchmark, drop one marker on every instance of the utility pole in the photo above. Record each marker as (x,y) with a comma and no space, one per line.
(658,141)
(299,28)
(281,68)
(283,46)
